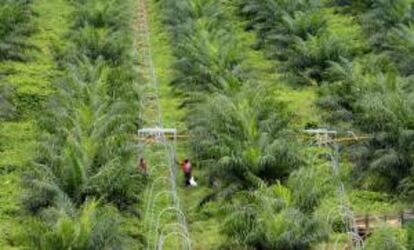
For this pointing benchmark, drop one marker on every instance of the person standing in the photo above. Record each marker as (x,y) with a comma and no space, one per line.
(186,167)
(143,166)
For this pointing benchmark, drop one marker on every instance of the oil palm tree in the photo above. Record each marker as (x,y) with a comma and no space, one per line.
(400,46)
(15,19)
(266,219)
(386,113)
(102,29)
(261,150)
(311,184)
(86,151)
(7,109)
(270,17)
(86,148)
(92,227)
(207,52)
(383,16)
(114,14)
(301,37)
(208,61)
(344,83)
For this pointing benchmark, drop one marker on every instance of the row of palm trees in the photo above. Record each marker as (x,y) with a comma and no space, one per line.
(376,89)
(223,103)
(302,36)
(85,173)
(388,28)
(369,91)
(241,130)
(267,219)
(364,87)
(16,25)
(209,58)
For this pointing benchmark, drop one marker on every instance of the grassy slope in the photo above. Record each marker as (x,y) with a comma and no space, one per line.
(32,81)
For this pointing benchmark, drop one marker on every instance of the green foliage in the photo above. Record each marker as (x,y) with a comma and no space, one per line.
(387,27)
(102,30)
(95,43)
(15,19)
(28,74)
(353,6)
(386,238)
(7,109)
(383,16)
(310,185)
(207,51)
(400,47)
(340,91)
(302,36)
(265,219)
(386,114)
(86,150)
(240,132)
(209,60)
(373,203)
(93,227)
(259,151)
(358,52)
(410,236)
(309,59)
(111,14)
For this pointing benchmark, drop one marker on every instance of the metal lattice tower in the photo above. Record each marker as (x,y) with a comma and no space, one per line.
(329,138)
(152,111)
(152,118)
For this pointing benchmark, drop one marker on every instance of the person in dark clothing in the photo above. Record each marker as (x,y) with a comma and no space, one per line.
(143,166)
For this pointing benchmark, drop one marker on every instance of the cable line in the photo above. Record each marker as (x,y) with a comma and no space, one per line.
(152,117)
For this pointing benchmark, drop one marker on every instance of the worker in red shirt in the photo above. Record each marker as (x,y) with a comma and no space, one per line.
(186,167)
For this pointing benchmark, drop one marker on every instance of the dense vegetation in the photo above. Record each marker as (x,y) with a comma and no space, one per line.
(363,84)
(243,71)
(355,54)
(265,151)
(15,26)
(227,111)
(84,174)
(86,153)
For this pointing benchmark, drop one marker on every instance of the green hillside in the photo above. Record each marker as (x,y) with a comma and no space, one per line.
(297,117)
